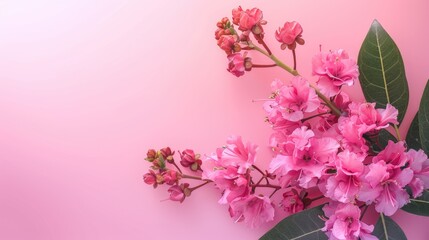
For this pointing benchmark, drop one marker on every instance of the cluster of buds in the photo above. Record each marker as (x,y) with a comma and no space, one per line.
(250,23)
(162,173)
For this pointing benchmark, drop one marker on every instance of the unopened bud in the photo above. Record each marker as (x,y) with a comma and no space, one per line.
(248,64)
(151,155)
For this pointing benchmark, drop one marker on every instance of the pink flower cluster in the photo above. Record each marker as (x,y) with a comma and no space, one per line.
(315,148)
(229,168)
(322,143)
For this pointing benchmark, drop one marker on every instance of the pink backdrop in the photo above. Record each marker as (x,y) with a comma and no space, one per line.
(86,87)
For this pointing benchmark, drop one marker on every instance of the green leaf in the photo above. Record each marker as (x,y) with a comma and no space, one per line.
(419,206)
(382,74)
(305,225)
(387,229)
(413,135)
(424,119)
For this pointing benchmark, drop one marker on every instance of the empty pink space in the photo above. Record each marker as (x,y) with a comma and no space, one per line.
(86,87)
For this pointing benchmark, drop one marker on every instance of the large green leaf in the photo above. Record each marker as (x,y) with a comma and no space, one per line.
(424,119)
(382,74)
(305,225)
(413,135)
(419,206)
(387,229)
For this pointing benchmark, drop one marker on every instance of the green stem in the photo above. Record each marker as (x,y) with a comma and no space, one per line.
(397,132)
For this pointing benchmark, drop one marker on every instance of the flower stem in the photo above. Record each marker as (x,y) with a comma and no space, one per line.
(275,190)
(259,170)
(317,198)
(196,187)
(177,167)
(294,59)
(266,185)
(317,115)
(195,178)
(261,41)
(364,211)
(398,135)
(263,65)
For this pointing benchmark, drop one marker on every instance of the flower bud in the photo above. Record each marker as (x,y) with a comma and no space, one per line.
(228,43)
(179,193)
(151,155)
(236,64)
(248,64)
(150,178)
(167,154)
(289,35)
(190,159)
(171,177)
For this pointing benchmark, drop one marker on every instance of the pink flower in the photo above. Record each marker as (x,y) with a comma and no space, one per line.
(337,67)
(344,223)
(236,15)
(170,177)
(179,193)
(228,169)
(372,117)
(253,210)
(296,99)
(248,18)
(233,184)
(292,202)
(236,154)
(393,155)
(227,43)
(345,185)
(303,158)
(289,34)
(189,159)
(150,178)
(352,131)
(384,185)
(419,164)
(236,64)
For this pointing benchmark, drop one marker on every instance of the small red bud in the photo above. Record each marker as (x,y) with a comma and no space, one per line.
(151,155)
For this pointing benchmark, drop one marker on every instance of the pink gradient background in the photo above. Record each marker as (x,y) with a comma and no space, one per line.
(86,87)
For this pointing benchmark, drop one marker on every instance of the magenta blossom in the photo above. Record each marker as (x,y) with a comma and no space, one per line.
(384,185)
(150,178)
(179,193)
(293,100)
(236,64)
(236,154)
(419,164)
(344,223)
(247,19)
(304,158)
(292,202)
(345,185)
(337,67)
(227,43)
(190,159)
(253,210)
(289,35)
